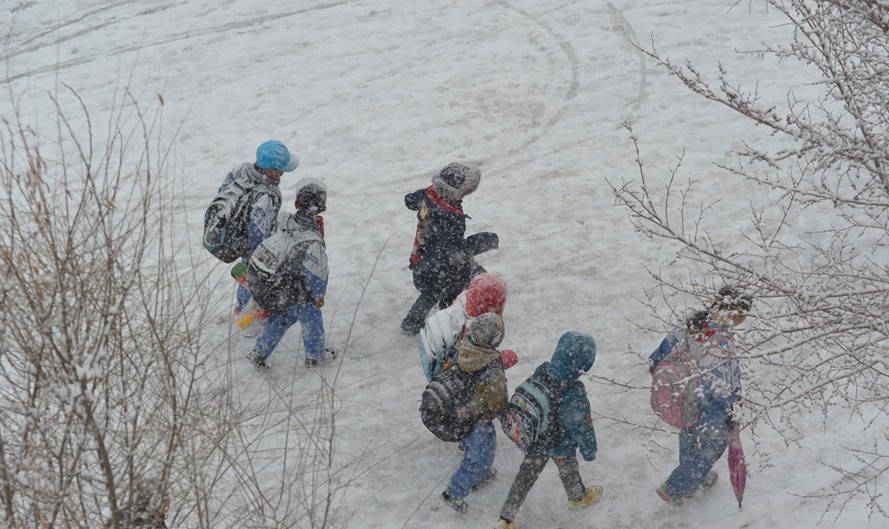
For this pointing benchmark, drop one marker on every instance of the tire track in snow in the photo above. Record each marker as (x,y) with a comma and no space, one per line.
(622,27)
(630,43)
(181,36)
(571,56)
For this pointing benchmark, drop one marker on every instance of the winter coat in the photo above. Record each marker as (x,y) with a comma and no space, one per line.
(714,351)
(290,267)
(443,330)
(266,204)
(491,396)
(575,353)
(441,333)
(440,257)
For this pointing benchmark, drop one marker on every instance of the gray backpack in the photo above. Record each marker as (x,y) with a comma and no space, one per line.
(226,219)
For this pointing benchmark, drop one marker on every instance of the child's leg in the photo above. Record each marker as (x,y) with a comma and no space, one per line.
(309,317)
(700,447)
(416,316)
(275,328)
(530,470)
(478,458)
(243,296)
(569,472)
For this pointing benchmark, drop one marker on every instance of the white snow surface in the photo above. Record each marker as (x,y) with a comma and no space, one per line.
(375,97)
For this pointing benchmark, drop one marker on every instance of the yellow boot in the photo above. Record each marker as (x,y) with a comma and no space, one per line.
(593,493)
(503,524)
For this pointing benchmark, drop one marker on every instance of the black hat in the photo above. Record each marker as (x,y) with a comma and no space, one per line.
(311,196)
(730,298)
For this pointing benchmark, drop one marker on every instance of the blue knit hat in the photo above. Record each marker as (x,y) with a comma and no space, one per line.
(274,155)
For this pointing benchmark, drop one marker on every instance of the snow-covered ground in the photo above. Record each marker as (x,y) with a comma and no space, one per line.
(375,96)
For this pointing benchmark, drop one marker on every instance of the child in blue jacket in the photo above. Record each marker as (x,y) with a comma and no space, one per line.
(574,354)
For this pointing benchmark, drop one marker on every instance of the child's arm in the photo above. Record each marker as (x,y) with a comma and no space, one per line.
(315,272)
(663,350)
(414,200)
(574,414)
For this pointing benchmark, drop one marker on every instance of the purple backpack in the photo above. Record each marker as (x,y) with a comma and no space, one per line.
(675,388)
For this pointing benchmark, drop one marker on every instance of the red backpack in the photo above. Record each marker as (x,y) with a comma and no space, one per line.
(676,388)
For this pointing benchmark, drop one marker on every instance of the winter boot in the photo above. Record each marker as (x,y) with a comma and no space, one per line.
(592,494)
(709,481)
(503,523)
(329,354)
(667,494)
(410,329)
(258,361)
(456,503)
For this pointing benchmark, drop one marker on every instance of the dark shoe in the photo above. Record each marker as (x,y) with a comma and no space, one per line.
(258,361)
(409,329)
(329,354)
(456,503)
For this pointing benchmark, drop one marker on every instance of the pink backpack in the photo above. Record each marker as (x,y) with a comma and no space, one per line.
(675,388)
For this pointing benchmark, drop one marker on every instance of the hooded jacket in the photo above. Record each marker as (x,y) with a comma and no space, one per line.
(440,253)
(713,350)
(443,330)
(574,354)
(266,202)
(491,396)
(290,267)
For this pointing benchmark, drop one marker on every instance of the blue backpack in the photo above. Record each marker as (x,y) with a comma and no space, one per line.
(531,420)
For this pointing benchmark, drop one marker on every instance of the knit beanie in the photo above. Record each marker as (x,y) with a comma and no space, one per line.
(486,293)
(730,298)
(456,181)
(311,197)
(486,330)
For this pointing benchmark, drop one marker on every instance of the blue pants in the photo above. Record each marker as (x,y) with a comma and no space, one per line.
(478,458)
(700,447)
(243,296)
(309,318)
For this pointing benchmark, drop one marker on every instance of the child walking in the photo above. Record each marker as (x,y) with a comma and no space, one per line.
(441,260)
(288,277)
(571,431)
(261,180)
(443,330)
(711,343)
(478,355)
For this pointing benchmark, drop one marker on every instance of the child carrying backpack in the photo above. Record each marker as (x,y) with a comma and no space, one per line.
(287,275)
(442,259)
(549,418)
(443,330)
(244,212)
(482,397)
(709,342)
